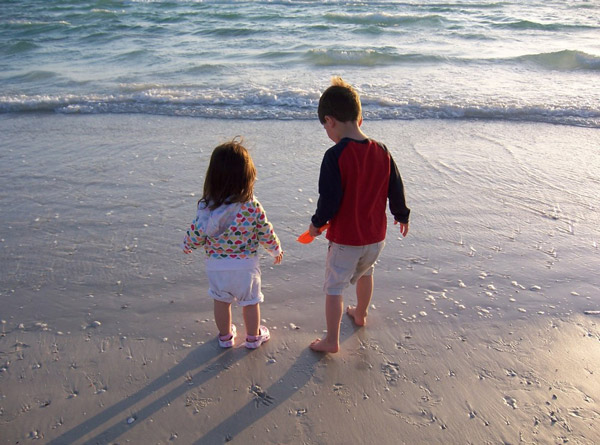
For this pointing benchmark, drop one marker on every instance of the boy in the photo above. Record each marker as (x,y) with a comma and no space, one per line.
(358,176)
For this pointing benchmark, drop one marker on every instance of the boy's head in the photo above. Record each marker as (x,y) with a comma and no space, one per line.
(340,101)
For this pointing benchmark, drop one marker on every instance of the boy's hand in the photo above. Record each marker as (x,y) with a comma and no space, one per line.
(278,258)
(403,228)
(313,231)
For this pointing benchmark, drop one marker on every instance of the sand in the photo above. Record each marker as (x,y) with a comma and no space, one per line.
(483,382)
(483,329)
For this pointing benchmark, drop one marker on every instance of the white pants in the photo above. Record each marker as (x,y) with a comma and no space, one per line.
(235,280)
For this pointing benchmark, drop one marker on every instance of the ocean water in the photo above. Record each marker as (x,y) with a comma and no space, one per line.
(534,61)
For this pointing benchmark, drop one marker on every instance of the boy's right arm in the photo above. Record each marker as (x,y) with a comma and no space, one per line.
(330,191)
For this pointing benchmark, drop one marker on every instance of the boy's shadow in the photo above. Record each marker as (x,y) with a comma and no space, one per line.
(266,401)
(212,360)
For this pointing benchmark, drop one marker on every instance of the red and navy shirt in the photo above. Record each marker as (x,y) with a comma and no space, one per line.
(357,178)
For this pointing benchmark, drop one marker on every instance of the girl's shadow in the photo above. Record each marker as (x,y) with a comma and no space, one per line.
(210,357)
(212,360)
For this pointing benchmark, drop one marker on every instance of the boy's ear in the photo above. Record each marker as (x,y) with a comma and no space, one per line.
(330,120)
(360,121)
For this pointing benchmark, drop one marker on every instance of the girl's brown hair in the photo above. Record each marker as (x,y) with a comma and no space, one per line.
(230,176)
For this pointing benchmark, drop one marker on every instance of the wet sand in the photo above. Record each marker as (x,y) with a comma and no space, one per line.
(483,329)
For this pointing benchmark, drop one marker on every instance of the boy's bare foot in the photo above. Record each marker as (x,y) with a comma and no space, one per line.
(323,346)
(358,321)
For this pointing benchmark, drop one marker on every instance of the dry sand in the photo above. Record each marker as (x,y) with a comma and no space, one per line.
(532,380)
(484,325)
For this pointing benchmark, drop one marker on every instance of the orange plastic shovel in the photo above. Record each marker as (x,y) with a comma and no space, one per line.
(305,238)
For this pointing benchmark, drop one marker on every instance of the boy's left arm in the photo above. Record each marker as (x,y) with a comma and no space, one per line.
(266,235)
(397,201)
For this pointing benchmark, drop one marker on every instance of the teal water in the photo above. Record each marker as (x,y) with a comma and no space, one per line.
(502,60)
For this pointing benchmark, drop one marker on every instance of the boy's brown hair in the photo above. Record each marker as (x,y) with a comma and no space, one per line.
(340,101)
(230,176)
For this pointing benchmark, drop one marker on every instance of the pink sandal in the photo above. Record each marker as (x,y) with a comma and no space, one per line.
(263,336)
(227,341)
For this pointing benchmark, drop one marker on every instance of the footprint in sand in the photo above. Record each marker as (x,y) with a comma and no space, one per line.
(342,392)
(391,372)
(510,401)
(196,402)
(261,397)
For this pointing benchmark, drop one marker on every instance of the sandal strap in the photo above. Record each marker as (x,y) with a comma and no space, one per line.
(252,338)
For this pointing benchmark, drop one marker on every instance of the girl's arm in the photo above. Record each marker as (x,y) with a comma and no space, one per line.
(194,238)
(266,235)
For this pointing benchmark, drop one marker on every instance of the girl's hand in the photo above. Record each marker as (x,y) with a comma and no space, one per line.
(278,258)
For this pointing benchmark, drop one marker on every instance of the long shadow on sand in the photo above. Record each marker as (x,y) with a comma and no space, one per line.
(211,360)
(210,357)
(266,401)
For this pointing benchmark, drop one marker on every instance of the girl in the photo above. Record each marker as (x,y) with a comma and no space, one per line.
(230,224)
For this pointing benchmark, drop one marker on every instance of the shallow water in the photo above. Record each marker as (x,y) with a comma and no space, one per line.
(526,61)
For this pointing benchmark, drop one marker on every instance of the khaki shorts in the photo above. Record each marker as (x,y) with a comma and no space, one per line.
(346,264)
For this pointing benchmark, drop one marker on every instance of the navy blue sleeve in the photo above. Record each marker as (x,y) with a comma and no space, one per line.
(396,194)
(330,189)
